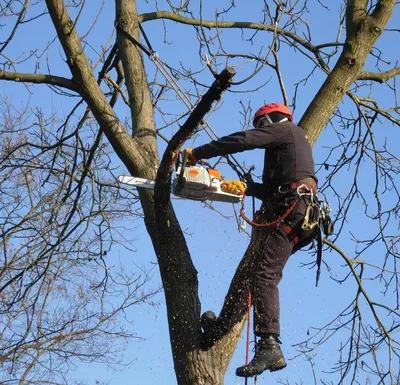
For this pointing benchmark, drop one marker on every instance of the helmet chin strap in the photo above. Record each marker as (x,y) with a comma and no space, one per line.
(269,120)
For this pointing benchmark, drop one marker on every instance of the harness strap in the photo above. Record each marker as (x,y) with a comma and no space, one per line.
(319,256)
(309,186)
(290,233)
(294,237)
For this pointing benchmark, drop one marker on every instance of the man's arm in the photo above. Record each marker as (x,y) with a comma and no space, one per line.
(230,144)
(238,142)
(256,190)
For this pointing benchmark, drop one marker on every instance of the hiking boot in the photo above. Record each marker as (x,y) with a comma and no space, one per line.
(211,331)
(208,320)
(268,356)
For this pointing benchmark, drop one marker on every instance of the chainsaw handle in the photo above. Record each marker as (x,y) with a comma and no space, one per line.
(179,185)
(247,175)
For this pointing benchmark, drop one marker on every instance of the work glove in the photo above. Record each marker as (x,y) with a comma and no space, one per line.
(191,160)
(236,187)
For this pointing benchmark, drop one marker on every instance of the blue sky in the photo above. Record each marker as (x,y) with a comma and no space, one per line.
(215,243)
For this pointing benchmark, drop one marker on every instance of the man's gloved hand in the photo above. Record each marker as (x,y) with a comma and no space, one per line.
(236,187)
(191,160)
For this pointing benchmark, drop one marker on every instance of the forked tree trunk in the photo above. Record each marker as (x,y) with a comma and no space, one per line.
(192,365)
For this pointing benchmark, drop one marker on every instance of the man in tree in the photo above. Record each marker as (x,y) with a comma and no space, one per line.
(287,188)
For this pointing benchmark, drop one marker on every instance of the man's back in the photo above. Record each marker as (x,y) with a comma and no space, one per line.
(288,157)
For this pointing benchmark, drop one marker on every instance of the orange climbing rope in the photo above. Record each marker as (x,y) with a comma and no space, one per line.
(276,222)
(248,333)
(248,337)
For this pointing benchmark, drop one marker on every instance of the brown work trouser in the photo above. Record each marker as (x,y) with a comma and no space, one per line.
(260,271)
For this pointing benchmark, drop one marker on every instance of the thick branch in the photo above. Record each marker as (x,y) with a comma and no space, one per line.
(383,10)
(221,83)
(142,114)
(347,69)
(356,11)
(380,77)
(39,79)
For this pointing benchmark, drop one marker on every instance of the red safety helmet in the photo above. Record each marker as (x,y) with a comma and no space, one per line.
(269,108)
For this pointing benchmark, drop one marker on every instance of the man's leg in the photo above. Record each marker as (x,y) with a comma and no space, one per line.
(274,249)
(269,265)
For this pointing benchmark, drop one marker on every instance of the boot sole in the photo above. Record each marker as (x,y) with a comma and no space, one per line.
(278,365)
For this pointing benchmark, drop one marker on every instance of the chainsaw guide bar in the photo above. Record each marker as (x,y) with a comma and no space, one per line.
(195,183)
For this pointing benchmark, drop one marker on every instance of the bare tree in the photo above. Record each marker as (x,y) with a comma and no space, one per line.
(59,174)
(62,298)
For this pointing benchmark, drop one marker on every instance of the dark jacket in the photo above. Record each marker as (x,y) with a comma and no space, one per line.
(288,156)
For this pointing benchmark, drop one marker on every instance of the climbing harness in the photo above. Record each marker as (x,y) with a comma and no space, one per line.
(316,220)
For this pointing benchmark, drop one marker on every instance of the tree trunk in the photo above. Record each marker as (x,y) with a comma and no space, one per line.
(209,367)
(192,365)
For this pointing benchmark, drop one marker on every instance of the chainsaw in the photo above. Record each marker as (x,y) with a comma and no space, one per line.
(191,182)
